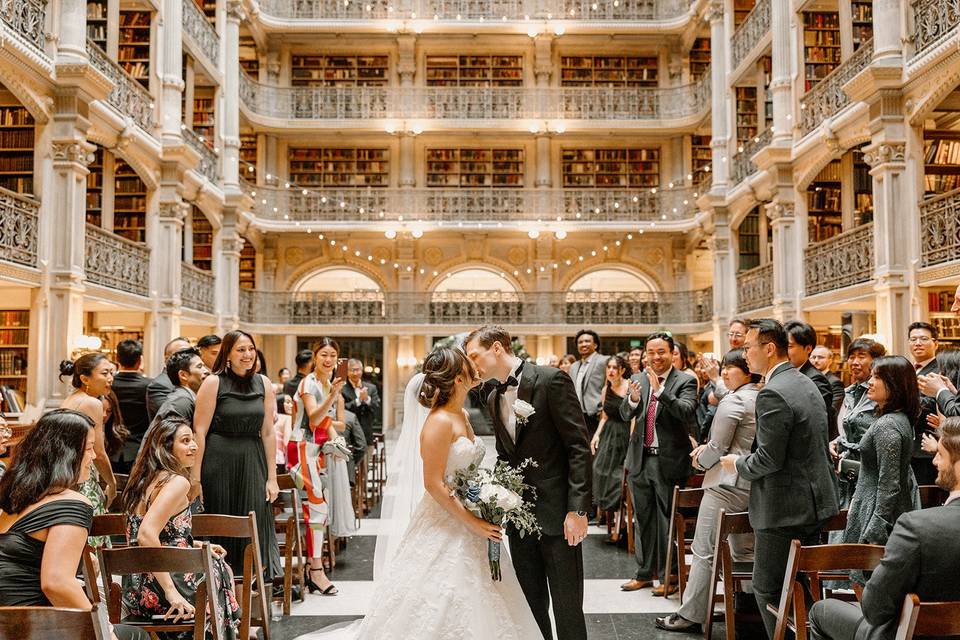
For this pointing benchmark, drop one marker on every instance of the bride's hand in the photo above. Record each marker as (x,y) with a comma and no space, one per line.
(487,530)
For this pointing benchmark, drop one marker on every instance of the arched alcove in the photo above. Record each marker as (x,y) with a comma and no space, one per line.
(337,280)
(612,279)
(475,279)
(610,293)
(475,295)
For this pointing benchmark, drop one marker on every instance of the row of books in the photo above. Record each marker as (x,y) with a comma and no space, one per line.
(13,362)
(948,328)
(16,163)
(16,139)
(337,154)
(12,399)
(12,319)
(14,336)
(15,117)
(941,152)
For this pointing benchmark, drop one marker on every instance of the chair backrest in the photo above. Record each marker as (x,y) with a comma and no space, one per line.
(731,523)
(689,498)
(285,482)
(934,619)
(932,495)
(695,481)
(109,524)
(53,623)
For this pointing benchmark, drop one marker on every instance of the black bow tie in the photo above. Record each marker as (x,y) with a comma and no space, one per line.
(511,380)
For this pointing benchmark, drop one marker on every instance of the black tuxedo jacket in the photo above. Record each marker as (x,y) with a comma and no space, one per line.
(826,391)
(555,437)
(365,412)
(676,421)
(928,405)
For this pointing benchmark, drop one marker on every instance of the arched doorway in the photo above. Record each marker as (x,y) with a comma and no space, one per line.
(475,296)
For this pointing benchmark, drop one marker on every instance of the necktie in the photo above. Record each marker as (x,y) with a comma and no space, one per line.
(918,366)
(651,419)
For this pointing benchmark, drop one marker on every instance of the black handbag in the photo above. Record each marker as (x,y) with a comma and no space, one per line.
(848,470)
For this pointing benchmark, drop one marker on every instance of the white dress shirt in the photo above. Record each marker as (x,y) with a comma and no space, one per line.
(633,405)
(507,399)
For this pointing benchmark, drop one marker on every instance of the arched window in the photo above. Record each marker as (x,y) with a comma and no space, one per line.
(337,295)
(338,281)
(607,295)
(475,296)
(613,280)
(475,280)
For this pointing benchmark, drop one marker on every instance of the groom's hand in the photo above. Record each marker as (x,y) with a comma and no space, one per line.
(575,528)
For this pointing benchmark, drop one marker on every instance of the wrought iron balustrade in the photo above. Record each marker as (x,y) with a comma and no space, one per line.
(128,96)
(933,21)
(940,228)
(750,32)
(755,288)
(209,160)
(827,98)
(19,217)
(113,261)
(196,288)
(841,261)
(741,166)
(27,18)
(199,29)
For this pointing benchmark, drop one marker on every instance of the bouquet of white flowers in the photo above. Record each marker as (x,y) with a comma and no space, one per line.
(496,495)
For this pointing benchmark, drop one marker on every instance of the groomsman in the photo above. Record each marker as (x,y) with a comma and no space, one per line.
(923,339)
(801,340)
(161,386)
(589,375)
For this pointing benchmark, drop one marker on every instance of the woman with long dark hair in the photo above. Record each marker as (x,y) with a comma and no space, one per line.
(235,470)
(114,430)
(158,514)
(609,443)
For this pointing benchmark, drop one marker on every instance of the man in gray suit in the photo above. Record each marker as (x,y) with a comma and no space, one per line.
(161,386)
(792,491)
(589,374)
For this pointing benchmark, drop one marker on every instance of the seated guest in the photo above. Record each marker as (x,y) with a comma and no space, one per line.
(733,431)
(186,371)
(131,388)
(161,386)
(922,555)
(43,521)
(158,514)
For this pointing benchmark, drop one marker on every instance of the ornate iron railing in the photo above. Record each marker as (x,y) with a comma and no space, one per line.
(115,262)
(128,96)
(741,166)
(473,206)
(827,98)
(841,261)
(755,288)
(209,161)
(476,103)
(940,228)
(27,18)
(750,32)
(933,21)
(196,288)
(477,307)
(19,217)
(199,29)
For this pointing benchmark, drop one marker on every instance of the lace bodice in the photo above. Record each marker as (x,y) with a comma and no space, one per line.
(463,453)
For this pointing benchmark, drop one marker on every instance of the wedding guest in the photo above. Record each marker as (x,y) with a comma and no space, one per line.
(706,402)
(636,360)
(802,338)
(681,359)
(283,428)
(736,335)
(942,387)
(566,362)
(923,339)
(822,358)
(187,372)
(130,385)
(304,362)
(553,360)
(588,377)
(161,386)
(362,398)
(609,443)
(737,332)
(209,348)
(114,430)
(158,515)
(235,470)
(283,375)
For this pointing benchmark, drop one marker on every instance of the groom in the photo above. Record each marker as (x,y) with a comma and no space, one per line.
(555,437)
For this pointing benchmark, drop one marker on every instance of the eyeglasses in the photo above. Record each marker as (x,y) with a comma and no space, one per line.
(734,334)
(920,339)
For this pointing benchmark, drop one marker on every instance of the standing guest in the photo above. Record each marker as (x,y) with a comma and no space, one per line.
(923,338)
(734,429)
(921,556)
(736,334)
(283,375)
(92,376)
(361,398)
(40,512)
(943,386)
(187,371)
(886,487)
(209,348)
(822,358)
(706,402)
(235,472)
(158,515)
(553,360)
(588,377)
(801,340)
(609,443)
(304,362)
(566,363)
(635,358)
(114,431)
(160,387)
(663,401)
(130,385)
(286,409)
(681,360)
(792,491)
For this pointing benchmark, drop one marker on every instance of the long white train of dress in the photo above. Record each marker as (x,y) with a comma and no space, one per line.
(438,585)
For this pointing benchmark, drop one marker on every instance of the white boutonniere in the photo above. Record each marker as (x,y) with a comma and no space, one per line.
(523,410)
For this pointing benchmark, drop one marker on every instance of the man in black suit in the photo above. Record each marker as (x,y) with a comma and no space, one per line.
(792,491)
(209,348)
(161,386)
(187,370)
(664,402)
(801,341)
(923,339)
(131,388)
(921,556)
(361,398)
(822,358)
(549,568)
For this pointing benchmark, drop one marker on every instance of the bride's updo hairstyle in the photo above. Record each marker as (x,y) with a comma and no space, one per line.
(440,371)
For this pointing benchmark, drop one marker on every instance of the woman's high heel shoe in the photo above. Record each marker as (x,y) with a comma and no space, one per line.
(313,587)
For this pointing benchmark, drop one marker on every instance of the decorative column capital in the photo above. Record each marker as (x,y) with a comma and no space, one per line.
(714,12)
(75,152)
(235,11)
(780,211)
(884,153)
(718,244)
(174,212)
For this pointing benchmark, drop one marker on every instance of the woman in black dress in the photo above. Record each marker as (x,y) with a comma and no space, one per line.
(609,444)
(235,470)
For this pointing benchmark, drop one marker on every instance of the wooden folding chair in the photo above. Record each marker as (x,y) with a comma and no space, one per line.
(135,560)
(817,563)
(932,495)
(107,524)
(122,480)
(933,619)
(361,505)
(733,574)
(54,623)
(288,513)
(683,519)
(253,592)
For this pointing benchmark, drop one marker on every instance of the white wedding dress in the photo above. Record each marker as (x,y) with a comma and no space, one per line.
(438,585)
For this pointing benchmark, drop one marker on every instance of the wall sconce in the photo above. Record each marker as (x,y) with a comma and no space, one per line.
(542,126)
(413,128)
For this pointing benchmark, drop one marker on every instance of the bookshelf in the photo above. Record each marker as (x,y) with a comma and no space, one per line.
(862,190)
(249,60)
(129,203)
(699,57)
(746,114)
(749,240)
(766,65)
(248,265)
(202,240)
(823,204)
(204,115)
(941,161)
(821,45)
(339,71)
(701,156)
(475,167)
(946,322)
(97,22)
(133,52)
(609,71)
(16,149)
(95,189)
(209,8)
(474,71)
(741,8)
(324,167)
(248,156)
(611,168)
(14,348)
(861,21)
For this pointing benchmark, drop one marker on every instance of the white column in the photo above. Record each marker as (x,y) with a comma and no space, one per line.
(228,270)
(789,241)
(724,275)
(230,118)
(72,39)
(782,62)
(718,97)
(887,32)
(171,78)
(165,277)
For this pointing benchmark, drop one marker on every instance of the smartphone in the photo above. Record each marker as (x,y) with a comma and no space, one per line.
(710,356)
(341,371)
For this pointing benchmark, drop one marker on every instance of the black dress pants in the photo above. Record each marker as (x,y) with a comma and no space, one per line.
(770,551)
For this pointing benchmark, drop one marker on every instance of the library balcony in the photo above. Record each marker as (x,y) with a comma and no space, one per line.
(115,262)
(755,288)
(128,97)
(27,19)
(741,166)
(940,229)
(752,32)
(692,310)
(196,288)
(18,229)
(522,108)
(934,21)
(844,260)
(827,98)
(199,35)
(209,166)
(382,209)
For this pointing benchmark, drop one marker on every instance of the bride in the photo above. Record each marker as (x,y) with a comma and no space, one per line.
(437,586)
